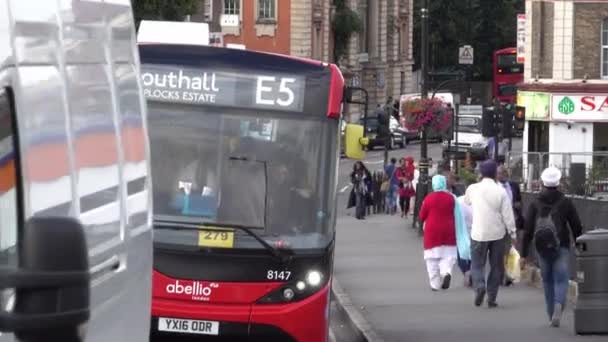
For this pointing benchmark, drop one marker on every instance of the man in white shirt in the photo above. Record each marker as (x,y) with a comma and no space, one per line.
(492,219)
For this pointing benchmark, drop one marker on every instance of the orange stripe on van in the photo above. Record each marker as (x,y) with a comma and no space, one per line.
(7,176)
(46,162)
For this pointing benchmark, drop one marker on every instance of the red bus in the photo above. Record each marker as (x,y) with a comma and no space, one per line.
(507,74)
(244,155)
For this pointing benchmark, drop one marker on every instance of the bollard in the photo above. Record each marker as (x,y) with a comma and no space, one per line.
(591,309)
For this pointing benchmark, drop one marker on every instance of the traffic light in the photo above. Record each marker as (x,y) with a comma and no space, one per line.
(507,123)
(520,113)
(488,122)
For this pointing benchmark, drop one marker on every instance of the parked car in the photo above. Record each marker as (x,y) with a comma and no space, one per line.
(398,135)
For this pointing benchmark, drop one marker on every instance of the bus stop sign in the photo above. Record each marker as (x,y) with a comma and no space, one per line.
(465,54)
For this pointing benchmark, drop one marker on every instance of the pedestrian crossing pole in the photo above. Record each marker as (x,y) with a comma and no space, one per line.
(422,187)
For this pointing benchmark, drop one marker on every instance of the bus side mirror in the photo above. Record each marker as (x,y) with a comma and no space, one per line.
(354,142)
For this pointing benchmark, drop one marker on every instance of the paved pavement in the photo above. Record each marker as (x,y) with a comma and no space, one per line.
(379,265)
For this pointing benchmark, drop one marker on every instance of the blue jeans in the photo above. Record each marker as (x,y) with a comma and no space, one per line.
(391,196)
(556,278)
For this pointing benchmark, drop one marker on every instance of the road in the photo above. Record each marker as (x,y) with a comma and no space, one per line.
(379,264)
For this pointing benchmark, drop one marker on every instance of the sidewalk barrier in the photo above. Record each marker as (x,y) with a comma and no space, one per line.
(355,317)
(583,173)
(591,310)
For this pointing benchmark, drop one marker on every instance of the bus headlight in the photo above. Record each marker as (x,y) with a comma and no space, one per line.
(313,278)
(300,285)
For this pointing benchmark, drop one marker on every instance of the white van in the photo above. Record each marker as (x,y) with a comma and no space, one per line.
(75,205)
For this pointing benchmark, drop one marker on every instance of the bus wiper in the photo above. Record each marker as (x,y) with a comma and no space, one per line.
(167,222)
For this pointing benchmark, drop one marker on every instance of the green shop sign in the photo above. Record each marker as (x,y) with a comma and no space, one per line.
(566,106)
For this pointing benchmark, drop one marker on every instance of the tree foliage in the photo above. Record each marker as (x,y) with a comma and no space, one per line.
(346,22)
(486,25)
(171,10)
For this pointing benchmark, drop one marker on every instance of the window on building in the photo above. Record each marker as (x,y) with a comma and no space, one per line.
(605,48)
(266,9)
(403,41)
(232,7)
(364,26)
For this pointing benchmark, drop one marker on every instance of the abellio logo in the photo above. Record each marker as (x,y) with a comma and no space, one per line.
(197,290)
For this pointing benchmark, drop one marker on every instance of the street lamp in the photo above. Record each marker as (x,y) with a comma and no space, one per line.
(422,187)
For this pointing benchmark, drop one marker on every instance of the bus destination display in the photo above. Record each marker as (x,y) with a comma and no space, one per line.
(222,88)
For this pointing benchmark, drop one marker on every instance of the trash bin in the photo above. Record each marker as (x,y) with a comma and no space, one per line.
(591,310)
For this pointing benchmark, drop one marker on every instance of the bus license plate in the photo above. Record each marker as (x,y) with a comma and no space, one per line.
(216,238)
(188,326)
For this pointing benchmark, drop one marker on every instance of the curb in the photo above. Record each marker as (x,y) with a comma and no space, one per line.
(532,277)
(354,316)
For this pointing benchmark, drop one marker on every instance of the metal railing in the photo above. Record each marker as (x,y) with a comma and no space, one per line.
(583,173)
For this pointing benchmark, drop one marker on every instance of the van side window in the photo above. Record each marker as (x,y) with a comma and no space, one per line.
(10,191)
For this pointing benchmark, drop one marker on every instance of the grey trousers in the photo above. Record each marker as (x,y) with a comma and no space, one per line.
(481,252)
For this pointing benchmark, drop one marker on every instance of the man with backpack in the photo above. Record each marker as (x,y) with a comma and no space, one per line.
(550,221)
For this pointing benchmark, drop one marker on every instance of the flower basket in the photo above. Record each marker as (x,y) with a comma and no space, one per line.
(431,113)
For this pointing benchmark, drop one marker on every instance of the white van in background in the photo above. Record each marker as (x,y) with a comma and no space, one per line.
(75,204)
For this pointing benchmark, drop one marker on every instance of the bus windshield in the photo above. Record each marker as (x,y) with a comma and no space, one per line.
(245,167)
(507,64)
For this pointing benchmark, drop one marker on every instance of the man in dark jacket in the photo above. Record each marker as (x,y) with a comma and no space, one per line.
(554,261)
(514,194)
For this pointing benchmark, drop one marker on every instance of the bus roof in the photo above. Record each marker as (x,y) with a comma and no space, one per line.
(505,51)
(173,32)
(196,56)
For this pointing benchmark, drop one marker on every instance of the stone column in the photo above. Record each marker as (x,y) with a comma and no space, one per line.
(373,32)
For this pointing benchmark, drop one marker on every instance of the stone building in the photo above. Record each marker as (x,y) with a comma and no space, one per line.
(565,88)
(379,58)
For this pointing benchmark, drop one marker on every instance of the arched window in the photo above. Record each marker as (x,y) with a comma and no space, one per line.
(605,48)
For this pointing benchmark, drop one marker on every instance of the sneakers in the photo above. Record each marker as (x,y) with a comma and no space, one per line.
(492,304)
(557,315)
(446,282)
(479,297)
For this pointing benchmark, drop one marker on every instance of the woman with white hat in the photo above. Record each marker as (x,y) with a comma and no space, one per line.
(550,221)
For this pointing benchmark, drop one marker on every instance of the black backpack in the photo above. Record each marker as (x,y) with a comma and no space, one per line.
(546,234)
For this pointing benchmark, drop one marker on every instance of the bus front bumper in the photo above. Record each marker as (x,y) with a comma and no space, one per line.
(303,321)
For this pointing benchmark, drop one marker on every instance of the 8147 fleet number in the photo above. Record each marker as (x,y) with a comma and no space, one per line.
(278,275)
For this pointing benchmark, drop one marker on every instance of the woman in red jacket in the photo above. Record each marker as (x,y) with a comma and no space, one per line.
(440,251)
(405,175)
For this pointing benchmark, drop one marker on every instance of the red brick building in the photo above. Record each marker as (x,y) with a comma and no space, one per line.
(294,27)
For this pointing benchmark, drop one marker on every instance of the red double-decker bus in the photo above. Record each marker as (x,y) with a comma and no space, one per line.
(244,154)
(507,74)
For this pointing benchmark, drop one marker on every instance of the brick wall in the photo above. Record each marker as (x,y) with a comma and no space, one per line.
(587,37)
(542,39)
(546,62)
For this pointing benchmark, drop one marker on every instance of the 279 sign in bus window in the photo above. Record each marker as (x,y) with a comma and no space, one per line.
(222,238)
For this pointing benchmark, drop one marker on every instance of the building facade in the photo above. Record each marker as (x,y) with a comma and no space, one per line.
(379,58)
(565,88)
(293,27)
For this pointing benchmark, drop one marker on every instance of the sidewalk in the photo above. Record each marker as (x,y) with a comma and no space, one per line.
(379,265)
